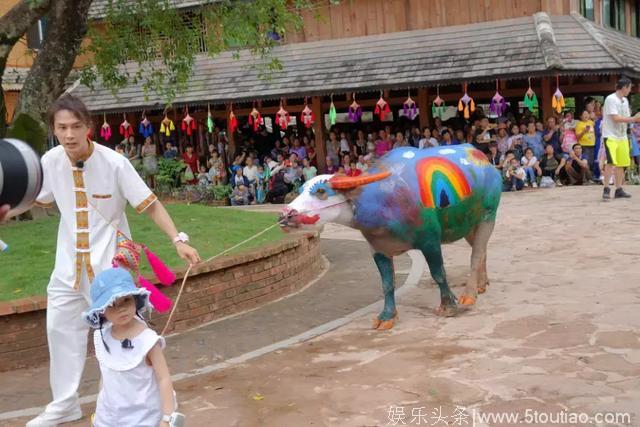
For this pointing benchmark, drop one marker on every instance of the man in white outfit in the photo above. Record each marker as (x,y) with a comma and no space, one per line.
(91,184)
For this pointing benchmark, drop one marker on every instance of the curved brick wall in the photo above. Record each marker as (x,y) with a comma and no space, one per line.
(222,287)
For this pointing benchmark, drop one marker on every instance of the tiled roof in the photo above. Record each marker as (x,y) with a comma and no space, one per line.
(513,48)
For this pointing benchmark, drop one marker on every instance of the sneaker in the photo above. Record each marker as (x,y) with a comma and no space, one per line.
(535,185)
(620,194)
(48,420)
(606,193)
(558,183)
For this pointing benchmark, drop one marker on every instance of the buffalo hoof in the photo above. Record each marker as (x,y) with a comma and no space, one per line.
(382,324)
(466,300)
(483,289)
(446,311)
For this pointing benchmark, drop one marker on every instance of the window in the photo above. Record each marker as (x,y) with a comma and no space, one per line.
(36,34)
(586,9)
(190,19)
(613,14)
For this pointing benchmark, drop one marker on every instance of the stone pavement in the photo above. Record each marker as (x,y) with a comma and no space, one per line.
(556,337)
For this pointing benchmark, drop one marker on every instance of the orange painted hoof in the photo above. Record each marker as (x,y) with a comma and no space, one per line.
(466,300)
(382,325)
(483,289)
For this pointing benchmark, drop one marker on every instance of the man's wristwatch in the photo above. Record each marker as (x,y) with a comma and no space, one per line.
(181,237)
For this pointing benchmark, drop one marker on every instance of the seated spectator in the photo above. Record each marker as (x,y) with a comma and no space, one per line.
(308,171)
(340,171)
(330,168)
(293,174)
(459,138)
(577,167)
(515,142)
(552,135)
(353,170)
(494,156)
(250,171)
(238,178)
(345,146)
(551,164)
(361,164)
(505,160)
(261,185)
(299,150)
(484,134)
(240,196)
(203,177)
(216,169)
(276,150)
(121,147)
(383,144)
(400,140)
(170,152)
(446,137)
(502,139)
(427,141)
(532,139)
(514,176)
(530,165)
(278,189)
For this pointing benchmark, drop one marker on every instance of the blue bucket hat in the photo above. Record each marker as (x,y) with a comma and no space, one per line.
(107,287)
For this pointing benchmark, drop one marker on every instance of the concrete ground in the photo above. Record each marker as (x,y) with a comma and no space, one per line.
(554,341)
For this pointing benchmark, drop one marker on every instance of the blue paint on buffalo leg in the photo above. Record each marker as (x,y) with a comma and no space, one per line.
(433,255)
(387,273)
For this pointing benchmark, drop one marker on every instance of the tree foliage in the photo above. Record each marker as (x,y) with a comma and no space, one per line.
(152,44)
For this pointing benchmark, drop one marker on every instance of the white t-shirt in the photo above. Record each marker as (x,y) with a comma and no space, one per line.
(344,145)
(528,163)
(130,395)
(250,172)
(613,106)
(92,205)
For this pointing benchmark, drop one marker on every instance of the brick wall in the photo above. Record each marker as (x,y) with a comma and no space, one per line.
(222,287)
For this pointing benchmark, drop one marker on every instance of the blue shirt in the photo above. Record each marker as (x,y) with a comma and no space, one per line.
(535,143)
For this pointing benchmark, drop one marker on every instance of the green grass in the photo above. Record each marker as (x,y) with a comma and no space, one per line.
(25,269)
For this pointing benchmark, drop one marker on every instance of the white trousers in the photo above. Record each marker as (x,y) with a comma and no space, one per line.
(67,334)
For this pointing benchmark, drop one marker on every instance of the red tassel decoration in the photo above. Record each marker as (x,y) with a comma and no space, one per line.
(157,299)
(161,271)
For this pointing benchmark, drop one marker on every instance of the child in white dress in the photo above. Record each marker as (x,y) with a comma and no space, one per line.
(136,383)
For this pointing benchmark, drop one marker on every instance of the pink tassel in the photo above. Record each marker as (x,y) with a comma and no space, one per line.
(158,300)
(162,272)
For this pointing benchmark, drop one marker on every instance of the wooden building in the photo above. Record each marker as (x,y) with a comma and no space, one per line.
(408,47)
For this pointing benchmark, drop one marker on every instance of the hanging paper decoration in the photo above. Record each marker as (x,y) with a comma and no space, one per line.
(126,130)
(498,104)
(530,99)
(557,100)
(209,119)
(282,117)
(145,128)
(382,108)
(255,119)
(307,117)
(188,123)
(105,129)
(167,126)
(332,113)
(355,110)
(233,121)
(466,104)
(409,107)
(438,107)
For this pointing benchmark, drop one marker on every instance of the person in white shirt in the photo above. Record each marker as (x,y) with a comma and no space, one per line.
(615,121)
(91,184)
(529,163)
(136,387)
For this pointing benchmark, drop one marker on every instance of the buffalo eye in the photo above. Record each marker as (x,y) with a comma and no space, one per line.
(321,193)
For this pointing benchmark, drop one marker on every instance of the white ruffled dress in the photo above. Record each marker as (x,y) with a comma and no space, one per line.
(129,394)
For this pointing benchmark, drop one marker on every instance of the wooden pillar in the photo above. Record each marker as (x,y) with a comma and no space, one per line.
(547,93)
(231,147)
(423,106)
(318,130)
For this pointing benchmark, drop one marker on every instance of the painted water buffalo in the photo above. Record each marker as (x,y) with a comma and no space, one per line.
(412,199)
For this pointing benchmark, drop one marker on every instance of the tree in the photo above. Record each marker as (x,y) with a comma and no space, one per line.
(142,41)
